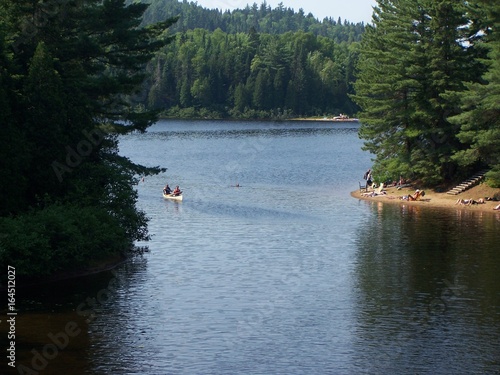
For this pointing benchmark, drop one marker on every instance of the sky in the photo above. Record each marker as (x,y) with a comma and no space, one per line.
(350,10)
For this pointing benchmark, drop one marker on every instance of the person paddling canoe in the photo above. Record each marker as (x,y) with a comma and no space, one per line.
(177,191)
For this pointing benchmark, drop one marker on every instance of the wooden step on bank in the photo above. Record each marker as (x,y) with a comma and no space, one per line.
(467,184)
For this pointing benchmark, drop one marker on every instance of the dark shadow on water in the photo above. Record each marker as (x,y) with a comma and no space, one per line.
(54,320)
(428,290)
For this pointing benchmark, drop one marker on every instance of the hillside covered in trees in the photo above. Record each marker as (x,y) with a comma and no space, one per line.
(215,74)
(255,62)
(428,87)
(66,70)
(261,18)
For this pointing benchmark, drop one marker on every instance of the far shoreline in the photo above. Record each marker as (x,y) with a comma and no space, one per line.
(437,199)
(267,119)
(97,267)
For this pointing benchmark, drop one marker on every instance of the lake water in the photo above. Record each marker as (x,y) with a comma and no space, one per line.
(286,274)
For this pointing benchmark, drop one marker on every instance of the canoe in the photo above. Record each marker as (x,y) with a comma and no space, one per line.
(173,197)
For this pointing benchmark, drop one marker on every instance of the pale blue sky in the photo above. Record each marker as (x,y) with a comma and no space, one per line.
(351,10)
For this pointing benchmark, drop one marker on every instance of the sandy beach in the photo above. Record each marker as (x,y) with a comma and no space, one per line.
(435,199)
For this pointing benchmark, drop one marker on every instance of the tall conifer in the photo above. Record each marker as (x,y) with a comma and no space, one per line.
(480,121)
(413,59)
(68,70)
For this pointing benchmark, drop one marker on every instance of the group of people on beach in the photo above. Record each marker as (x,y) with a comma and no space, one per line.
(402,182)
(415,196)
(470,202)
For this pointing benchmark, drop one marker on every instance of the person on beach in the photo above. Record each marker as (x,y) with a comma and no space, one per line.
(374,193)
(416,196)
(469,202)
(497,207)
(368,177)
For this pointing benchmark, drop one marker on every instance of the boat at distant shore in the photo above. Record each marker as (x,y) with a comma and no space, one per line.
(340,118)
(344,118)
(326,119)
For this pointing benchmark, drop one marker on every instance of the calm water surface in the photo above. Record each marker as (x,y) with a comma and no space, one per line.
(286,274)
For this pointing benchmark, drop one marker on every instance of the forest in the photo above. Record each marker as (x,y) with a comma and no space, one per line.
(261,18)
(251,75)
(76,74)
(427,83)
(66,71)
(255,62)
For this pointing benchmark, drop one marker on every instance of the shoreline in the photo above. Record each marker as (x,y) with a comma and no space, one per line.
(325,119)
(437,199)
(290,119)
(103,265)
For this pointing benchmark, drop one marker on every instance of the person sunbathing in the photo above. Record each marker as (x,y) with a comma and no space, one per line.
(497,207)
(469,202)
(416,196)
(373,193)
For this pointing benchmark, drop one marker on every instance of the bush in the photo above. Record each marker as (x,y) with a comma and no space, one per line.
(493,177)
(58,238)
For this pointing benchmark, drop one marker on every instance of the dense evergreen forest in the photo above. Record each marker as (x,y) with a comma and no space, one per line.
(215,74)
(66,70)
(255,62)
(427,83)
(261,18)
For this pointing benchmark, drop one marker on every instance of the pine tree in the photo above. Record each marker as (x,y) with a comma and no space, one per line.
(480,121)
(67,83)
(240,98)
(46,123)
(14,155)
(262,90)
(413,60)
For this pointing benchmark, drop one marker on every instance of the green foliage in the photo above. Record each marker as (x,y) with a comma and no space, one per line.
(13,170)
(252,61)
(480,120)
(413,64)
(262,19)
(59,238)
(296,72)
(67,76)
(44,102)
